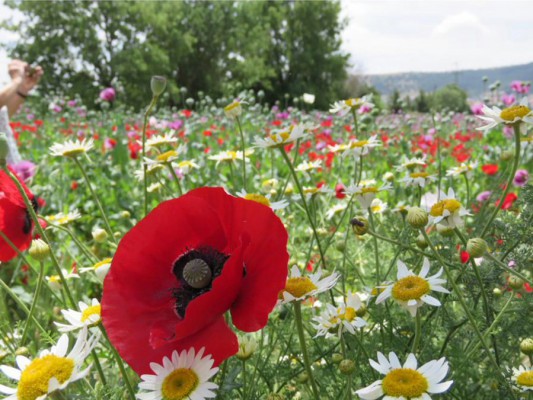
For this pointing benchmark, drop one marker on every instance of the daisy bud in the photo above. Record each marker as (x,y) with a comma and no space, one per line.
(416,217)
(526,346)
(302,378)
(39,249)
(337,358)
(516,283)
(497,292)
(347,367)
(233,110)
(125,214)
(4,150)
(247,347)
(507,155)
(421,242)
(388,176)
(340,246)
(360,225)
(22,351)
(99,235)
(158,85)
(476,247)
(275,396)
(3,354)
(445,231)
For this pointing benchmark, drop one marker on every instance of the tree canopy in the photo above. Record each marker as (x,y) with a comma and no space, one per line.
(280,47)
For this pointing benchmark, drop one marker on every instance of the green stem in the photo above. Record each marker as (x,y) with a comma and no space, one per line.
(243,379)
(176,178)
(376,251)
(467,183)
(491,327)
(80,245)
(418,331)
(99,367)
(42,233)
(96,199)
(516,160)
(301,336)
(40,279)
(120,363)
(507,269)
(304,203)
(243,154)
(462,301)
(145,167)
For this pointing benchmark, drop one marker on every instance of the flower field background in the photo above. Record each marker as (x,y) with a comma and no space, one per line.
(408,237)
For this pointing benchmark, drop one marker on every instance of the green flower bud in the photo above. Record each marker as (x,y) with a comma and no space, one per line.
(3,354)
(526,346)
(99,235)
(347,367)
(340,246)
(476,247)
(158,85)
(302,378)
(337,358)
(507,155)
(4,150)
(421,242)
(39,249)
(275,396)
(516,283)
(497,292)
(360,225)
(416,217)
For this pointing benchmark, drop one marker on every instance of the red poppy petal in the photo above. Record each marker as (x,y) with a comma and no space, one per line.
(12,222)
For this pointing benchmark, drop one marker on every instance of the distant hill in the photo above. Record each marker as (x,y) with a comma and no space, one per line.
(470,80)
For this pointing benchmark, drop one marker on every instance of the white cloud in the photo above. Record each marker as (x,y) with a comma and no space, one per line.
(464,21)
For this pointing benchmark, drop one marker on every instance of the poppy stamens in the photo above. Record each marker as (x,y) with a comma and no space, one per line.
(197,273)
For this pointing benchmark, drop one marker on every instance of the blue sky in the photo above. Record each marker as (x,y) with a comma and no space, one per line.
(384,36)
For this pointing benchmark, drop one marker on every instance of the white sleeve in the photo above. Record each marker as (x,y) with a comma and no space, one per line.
(13,156)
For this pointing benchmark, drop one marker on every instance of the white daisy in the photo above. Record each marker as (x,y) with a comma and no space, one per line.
(308,98)
(72,148)
(444,209)
(54,281)
(366,192)
(63,218)
(157,141)
(418,179)
(52,370)
(464,168)
(88,316)
(346,316)
(233,110)
(151,169)
(100,269)
(247,347)
(343,107)
(411,163)
(407,382)
(511,115)
(299,287)
(378,207)
(184,375)
(336,209)
(308,166)
(523,378)
(282,137)
(265,200)
(412,291)
(358,148)
(166,157)
(230,156)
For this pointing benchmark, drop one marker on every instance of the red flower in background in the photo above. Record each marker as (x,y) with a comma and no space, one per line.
(508,201)
(490,169)
(15,221)
(178,271)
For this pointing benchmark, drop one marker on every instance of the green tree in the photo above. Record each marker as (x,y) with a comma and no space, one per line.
(450,97)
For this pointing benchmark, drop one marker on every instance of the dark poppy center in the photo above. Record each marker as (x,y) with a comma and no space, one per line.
(196,270)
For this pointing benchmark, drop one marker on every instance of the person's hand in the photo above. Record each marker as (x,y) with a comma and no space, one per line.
(17,69)
(32,76)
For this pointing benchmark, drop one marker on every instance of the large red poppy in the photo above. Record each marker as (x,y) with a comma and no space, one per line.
(149,308)
(15,221)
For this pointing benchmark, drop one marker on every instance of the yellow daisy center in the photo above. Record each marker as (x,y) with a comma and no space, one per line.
(54,278)
(353,102)
(73,152)
(404,382)
(370,189)
(410,288)
(258,198)
(232,106)
(451,205)
(527,139)
(166,156)
(92,310)
(34,379)
(310,190)
(349,314)
(511,113)
(280,137)
(525,379)
(419,175)
(179,384)
(102,263)
(299,286)
(359,143)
